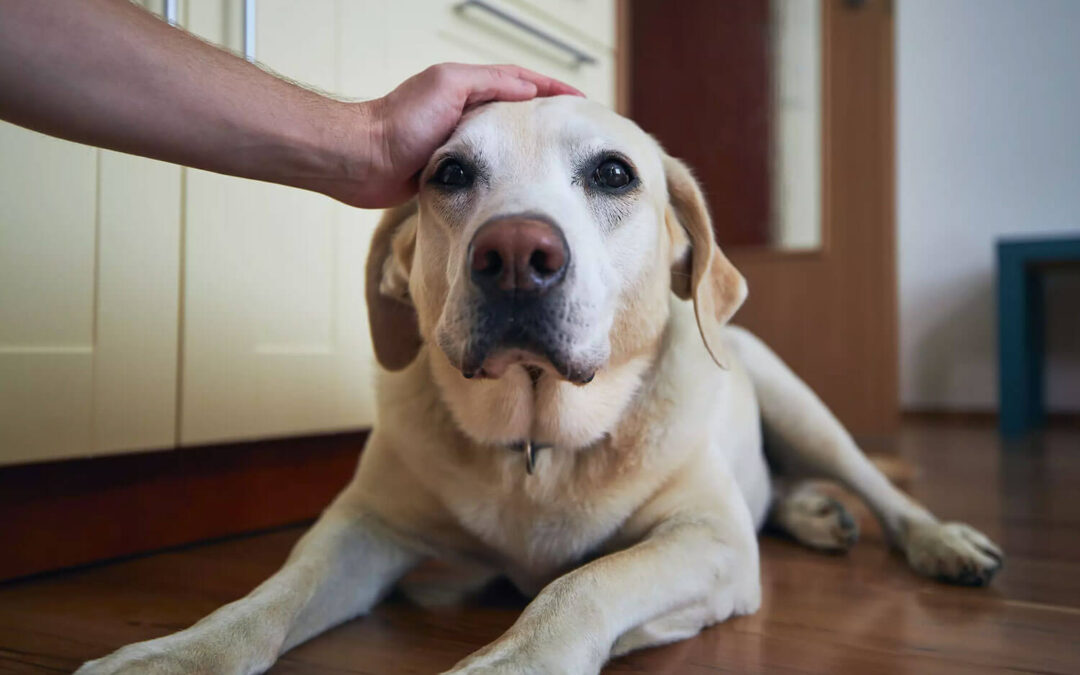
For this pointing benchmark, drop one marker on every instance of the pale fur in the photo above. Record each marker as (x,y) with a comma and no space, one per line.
(639,526)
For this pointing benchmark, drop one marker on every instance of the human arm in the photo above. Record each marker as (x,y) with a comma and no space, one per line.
(108,73)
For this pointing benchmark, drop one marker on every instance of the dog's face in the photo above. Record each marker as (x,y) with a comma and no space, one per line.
(548,237)
(536,220)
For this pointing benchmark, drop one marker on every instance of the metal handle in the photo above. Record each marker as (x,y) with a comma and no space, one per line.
(172,11)
(249,30)
(578,55)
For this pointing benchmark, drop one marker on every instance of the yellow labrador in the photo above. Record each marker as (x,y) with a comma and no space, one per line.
(562,403)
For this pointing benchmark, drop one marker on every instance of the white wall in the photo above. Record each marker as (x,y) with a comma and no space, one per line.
(988,142)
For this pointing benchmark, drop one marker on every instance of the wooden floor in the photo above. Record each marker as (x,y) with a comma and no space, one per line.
(860,613)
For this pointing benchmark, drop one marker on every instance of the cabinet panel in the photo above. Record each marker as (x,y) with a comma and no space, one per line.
(484,37)
(590,21)
(368,69)
(48,200)
(275,339)
(272,343)
(48,193)
(138,304)
(88,301)
(299,40)
(216,21)
(383,43)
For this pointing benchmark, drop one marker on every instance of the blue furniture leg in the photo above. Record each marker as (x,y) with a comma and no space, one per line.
(1021,321)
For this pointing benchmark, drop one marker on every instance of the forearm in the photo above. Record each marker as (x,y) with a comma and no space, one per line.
(108,73)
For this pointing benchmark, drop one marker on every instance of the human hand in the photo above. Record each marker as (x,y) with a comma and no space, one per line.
(407,125)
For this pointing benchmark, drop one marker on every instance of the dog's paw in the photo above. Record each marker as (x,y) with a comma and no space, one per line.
(177,654)
(953,552)
(474,666)
(142,657)
(517,655)
(490,669)
(494,660)
(817,521)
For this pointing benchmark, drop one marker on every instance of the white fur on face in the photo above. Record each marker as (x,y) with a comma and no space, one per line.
(531,158)
(536,158)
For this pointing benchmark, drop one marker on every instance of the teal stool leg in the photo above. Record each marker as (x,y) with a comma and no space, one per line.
(1021,323)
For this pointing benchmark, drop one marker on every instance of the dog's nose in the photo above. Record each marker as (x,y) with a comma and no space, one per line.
(518,256)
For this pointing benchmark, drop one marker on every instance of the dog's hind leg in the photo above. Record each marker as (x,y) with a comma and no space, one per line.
(804,439)
(811,517)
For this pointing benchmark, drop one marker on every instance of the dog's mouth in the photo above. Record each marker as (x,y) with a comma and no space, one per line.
(495,364)
(507,335)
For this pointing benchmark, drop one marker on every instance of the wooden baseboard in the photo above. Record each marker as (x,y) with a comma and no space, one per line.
(1054,420)
(60,514)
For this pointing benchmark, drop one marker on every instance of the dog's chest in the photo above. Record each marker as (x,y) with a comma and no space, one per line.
(542,524)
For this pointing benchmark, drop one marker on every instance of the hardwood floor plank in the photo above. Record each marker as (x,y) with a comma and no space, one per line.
(864,612)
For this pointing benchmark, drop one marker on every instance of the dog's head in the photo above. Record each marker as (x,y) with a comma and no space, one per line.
(548,236)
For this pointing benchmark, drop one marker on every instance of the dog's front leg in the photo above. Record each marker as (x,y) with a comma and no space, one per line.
(338,570)
(692,570)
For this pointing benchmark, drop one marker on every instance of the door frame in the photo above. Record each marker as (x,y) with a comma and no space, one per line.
(831,313)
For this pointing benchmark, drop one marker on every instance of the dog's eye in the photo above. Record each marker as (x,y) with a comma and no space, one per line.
(452,174)
(612,174)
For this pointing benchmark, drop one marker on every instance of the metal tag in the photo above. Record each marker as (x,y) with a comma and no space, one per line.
(530,457)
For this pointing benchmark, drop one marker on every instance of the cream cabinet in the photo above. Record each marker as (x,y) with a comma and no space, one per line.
(275,339)
(147,306)
(89,301)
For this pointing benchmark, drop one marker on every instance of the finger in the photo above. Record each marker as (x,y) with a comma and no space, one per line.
(480,84)
(545,86)
(510,90)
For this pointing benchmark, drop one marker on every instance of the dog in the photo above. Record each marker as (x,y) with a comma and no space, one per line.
(562,402)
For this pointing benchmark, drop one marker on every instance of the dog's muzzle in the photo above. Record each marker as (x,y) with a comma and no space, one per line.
(517,266)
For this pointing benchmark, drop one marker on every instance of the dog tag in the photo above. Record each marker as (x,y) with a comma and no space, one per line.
(530,457)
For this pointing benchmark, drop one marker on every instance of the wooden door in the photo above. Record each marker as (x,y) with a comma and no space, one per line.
(829,312)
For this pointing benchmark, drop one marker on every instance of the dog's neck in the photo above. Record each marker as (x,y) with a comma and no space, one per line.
(546,411)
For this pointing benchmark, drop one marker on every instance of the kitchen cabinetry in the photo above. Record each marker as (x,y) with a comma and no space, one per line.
(146,306)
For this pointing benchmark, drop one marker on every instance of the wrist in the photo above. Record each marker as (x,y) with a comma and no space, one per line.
(355,139)
(352,144)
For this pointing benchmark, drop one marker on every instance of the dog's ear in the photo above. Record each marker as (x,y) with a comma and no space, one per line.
(391,316)
(700,270)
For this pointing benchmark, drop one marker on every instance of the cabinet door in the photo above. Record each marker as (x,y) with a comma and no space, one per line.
(48,204)
(525,32)
(382,43)
(89,249)
(275,331)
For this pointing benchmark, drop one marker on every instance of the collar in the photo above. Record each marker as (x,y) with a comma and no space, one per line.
(530,448)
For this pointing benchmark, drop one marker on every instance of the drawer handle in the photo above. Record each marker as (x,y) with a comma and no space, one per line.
(249,30)
(171,11)
(578,55)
